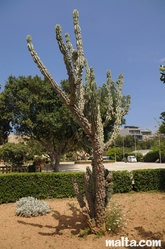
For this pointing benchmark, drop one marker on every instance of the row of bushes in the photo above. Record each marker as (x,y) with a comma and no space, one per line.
(59,185)
(39,185)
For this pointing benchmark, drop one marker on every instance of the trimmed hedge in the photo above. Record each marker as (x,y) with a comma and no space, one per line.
(149,179)
(51,185)
(38,185)
(122,181)
(59,185)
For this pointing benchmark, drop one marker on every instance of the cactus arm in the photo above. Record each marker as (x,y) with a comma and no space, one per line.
(80,52)
(44,71)
(110,85)
(67,61)
(77,73)
(78,114)
(119,112)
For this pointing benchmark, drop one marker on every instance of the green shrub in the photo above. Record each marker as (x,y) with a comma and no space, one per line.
(122,182)
(151,156)
(149,179)
(38,185)
(69,155)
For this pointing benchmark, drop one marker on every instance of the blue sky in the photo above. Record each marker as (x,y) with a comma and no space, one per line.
(125,36)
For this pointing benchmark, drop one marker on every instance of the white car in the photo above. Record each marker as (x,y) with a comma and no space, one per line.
(131,159)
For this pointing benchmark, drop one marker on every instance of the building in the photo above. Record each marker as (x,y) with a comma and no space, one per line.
(136,131)
(14,138)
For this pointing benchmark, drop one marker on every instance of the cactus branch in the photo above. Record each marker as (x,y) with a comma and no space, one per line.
(74,109)
(67,61)
(44,71)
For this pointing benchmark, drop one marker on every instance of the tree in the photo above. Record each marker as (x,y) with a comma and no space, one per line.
(34,149)
(115,153)
(84,104)
(162,117)
(18,153)
(37,112)
(5,125)
(162,125)
(14,153)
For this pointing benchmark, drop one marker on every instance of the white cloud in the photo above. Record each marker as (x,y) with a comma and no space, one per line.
(159,103)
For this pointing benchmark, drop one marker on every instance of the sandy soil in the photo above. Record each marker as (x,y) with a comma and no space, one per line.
(145,215)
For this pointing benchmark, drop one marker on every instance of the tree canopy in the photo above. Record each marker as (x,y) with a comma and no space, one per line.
(36,111)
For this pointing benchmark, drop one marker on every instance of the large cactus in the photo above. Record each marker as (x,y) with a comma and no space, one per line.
(84,103)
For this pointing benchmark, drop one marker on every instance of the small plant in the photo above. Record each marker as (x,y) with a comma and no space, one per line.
(85,232)
(31,207)
(101,233)
(114,218)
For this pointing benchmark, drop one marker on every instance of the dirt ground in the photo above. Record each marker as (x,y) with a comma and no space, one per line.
(144,214)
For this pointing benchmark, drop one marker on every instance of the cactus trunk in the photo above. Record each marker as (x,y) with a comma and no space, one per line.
(99,183)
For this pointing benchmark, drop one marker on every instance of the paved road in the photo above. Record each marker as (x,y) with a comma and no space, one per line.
(71,166)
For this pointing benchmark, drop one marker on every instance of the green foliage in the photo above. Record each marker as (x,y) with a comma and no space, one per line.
(18,153)
(162,125)
(159,143)
(122,182)
(162,117)
(69,155)
(85,232)
(5,125)
(38,185)
(115,153)
(129,143)
(152,156)
(149,179)
(13,153)
(34,148)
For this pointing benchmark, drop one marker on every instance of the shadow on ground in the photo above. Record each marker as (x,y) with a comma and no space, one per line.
(74,222)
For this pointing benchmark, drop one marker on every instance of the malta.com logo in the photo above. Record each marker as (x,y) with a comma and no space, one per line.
(125,242)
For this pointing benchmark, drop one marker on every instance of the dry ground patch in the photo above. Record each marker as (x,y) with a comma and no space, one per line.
(144,212)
